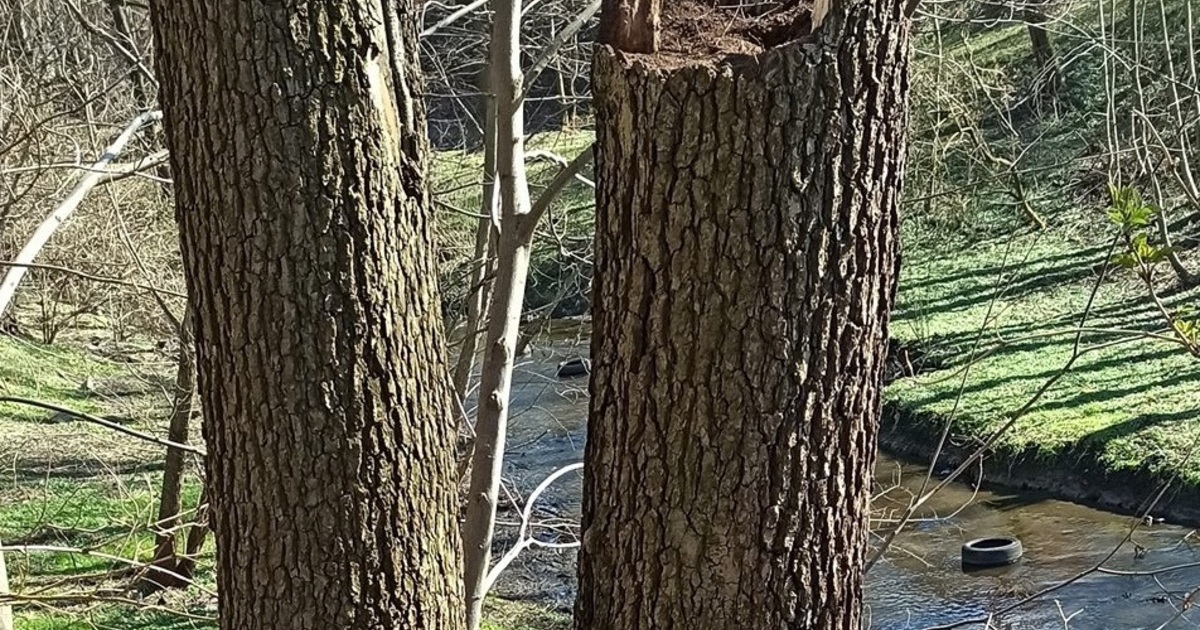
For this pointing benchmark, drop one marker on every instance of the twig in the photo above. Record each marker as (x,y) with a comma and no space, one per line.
(64,210)
(524,541)
(550,51)
(112,41)
(1096,568)
(94,278)
(113,599)
(104,556)
(452,18)
(102,422)
(529,222)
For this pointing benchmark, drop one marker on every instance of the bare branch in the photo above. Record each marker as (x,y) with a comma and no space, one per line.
(108,424)
(530,221)
(565,36)
(94,278)
(524,540)
(8,287)
(452,18)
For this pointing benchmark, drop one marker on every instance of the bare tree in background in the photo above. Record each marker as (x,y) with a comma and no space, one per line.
(514,217)
(308,248)
(749,179)
(1036,14)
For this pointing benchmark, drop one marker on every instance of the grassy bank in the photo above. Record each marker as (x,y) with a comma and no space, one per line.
(996,281)
(1000,320)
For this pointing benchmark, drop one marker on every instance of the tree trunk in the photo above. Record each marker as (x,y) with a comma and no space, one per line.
(480,287)
(746,254)
(170,502)
(1039,38)
(6,613)
(504,313)
(297,146)
(1036,19)
(117,11)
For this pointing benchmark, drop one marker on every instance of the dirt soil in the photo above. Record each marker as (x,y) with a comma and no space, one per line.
(694,32)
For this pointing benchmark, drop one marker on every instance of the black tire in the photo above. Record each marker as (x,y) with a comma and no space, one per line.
(991,552)
(574,367)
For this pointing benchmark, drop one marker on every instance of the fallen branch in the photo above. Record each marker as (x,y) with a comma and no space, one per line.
(27,549)
(84,598)
(8,287)
(452,18)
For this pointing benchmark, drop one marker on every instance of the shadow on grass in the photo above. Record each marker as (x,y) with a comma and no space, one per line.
(1185,417)
(1065,260)
(975,387)
(1108,395)
(1031,280)
(32,470)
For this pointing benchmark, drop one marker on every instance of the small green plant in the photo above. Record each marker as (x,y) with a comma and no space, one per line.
(1133,216)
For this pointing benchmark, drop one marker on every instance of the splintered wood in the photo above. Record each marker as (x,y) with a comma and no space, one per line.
(631,25)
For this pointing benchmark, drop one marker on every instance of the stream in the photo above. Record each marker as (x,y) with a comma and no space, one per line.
(920,583)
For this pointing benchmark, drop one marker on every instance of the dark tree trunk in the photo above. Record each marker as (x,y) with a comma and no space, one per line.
(178,565)
(297,146)
(118,12)
(170,502)
(1039,39)
(1036,19)
(746,254)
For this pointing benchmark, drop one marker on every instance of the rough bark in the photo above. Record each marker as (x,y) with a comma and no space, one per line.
(297,148)
(746,254)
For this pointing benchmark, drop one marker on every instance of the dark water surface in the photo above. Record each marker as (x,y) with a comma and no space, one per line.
(920,583)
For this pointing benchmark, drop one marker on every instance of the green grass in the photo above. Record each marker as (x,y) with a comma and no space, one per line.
(977,273)
(508,615)
(110,618)
(500,615)
(558,257)
(1131,401)
(49,374)
(109,515)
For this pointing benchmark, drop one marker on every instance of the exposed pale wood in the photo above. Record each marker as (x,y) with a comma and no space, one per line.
(6,612)
(631,25)
(820,11)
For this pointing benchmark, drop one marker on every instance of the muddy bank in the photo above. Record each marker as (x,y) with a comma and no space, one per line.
(1074,474)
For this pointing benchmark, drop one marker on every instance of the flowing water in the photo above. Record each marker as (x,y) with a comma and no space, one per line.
(920,584)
